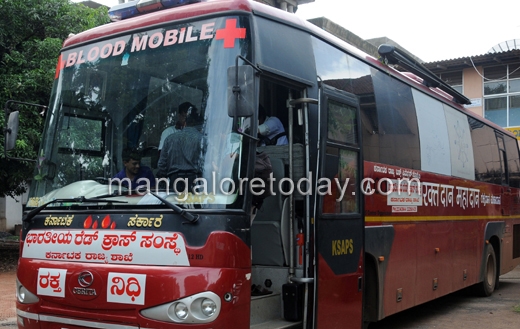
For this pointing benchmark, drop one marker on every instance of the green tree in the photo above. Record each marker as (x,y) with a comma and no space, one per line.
(31,35)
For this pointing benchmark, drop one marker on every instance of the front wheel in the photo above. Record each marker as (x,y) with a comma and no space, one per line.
(487,286)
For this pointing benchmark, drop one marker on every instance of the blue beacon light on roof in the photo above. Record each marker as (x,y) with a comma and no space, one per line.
(138,7)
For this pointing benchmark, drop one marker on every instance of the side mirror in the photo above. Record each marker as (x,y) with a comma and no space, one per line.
(49,169)
(11,130)
(241,91)
(11,126)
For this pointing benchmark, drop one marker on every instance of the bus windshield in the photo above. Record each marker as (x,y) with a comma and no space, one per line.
(135,93)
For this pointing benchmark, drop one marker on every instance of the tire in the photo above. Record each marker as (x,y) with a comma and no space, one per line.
(487,286)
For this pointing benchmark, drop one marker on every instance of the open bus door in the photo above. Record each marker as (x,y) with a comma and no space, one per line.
(339,227)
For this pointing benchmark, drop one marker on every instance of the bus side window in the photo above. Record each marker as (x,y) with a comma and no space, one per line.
(503,159)
(397,122)
(513,161)
(342,158)
(485,152)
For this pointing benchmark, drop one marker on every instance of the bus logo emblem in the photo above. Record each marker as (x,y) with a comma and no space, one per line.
(85,279)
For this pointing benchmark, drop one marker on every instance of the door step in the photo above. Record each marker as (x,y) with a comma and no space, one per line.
(266,313)
(265,308)
(277,324)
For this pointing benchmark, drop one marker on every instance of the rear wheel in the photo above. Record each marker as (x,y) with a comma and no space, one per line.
(487,286)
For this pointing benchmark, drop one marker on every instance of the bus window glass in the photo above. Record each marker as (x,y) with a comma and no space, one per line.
(342,123)
(348,170)
(513,162)
(397,122)
(485,152)
(462,164)
(341,171)
(122,93)
(433,132)
(503,159)
(80,133)
(80,142)
(331,64)
(347,73)
(277,39)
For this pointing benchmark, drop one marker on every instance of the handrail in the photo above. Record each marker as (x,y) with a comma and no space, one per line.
(302,280)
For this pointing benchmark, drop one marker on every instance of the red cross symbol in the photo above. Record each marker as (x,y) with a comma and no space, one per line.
(230,33)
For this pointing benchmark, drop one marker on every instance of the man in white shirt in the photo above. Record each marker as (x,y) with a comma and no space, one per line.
(270,129)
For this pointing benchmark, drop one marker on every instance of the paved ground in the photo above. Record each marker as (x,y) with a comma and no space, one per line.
(7,298)
(461,310)
(456,311)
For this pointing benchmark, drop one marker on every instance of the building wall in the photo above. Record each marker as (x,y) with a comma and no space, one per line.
(345,35)
(3,220)
(501,83)
(473,88)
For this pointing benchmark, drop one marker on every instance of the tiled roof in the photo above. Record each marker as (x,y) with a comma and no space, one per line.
(503,57)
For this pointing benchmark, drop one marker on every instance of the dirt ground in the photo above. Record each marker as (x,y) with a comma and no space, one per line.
(8,264)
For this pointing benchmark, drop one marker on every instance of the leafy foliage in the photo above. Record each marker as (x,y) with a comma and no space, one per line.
(31,35)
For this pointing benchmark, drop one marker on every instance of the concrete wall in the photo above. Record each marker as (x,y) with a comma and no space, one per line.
(11,212)
(345,35)
(3,220)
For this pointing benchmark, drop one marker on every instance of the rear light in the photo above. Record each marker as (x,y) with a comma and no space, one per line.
(138,7)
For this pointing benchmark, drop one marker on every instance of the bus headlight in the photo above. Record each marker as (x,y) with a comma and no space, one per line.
(24,296)
(203,307)
(180,311)
(208,307)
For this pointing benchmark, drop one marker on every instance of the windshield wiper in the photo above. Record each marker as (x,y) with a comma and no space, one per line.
(192,218)
(80,199)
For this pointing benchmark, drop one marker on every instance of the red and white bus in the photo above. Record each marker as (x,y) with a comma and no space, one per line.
(388,194)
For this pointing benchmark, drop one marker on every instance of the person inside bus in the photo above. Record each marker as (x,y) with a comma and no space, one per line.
(179,125)
(181,153)
(139,176)
(270,130)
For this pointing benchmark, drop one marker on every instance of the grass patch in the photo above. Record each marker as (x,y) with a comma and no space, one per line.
(12,238)
(516,308)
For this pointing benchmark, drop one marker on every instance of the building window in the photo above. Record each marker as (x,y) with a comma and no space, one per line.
(454,79)
(502,94)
